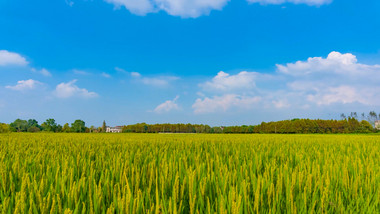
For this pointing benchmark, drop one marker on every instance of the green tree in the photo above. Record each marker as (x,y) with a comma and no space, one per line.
(19,125)
(32,122)
(365,126)
(49,125)
(33,126)
(104,126)
(34,129)
(66,128)
(78,126)
(4,128)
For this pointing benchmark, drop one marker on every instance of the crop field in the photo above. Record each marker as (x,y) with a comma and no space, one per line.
(189,173)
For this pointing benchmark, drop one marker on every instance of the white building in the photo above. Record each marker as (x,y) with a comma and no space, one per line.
(116,129)
(377,124)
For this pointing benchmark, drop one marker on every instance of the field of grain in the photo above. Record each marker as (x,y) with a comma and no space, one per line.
(152,173)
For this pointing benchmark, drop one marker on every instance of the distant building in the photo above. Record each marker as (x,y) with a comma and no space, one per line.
(116,129)
(377,124)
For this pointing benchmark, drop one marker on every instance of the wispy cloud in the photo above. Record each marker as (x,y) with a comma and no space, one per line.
(42,71)
(70,3)
(80,72)
(307,2)
(24,85)
(120,70)
(154,81)
(106,75)
(135,74)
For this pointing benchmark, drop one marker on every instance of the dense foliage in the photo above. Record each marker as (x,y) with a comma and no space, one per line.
(347,124)
(295,126)
(350,125)
(130,173)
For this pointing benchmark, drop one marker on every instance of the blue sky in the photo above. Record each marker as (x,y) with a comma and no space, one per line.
(217,62)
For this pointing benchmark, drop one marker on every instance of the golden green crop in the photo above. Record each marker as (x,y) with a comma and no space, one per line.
(189,173)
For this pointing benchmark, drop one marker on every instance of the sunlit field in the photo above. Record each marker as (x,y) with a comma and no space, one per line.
(189,173)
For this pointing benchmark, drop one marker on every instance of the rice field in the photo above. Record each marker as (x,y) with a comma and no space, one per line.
(189,173)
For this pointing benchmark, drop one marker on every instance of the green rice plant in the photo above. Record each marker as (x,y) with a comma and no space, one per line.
(187,173)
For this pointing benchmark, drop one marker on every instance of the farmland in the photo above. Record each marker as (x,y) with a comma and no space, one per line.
(199,173)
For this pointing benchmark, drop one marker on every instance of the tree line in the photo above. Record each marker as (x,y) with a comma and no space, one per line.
(347,124)
(49,125)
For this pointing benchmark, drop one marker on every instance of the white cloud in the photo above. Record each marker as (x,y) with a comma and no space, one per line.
(80,72)
(138,7)
(120,70)
(70,3)
(307,2)
(182,8)
(135,74)
(281,103)
(224,103)
(106,75)
(11,58)
(24,85)
(225,82)
(43,71)
(343,94)
(158,81)
(69,89)
(154,81)
(334,63)
(167,106)
(193,8)
(338,79)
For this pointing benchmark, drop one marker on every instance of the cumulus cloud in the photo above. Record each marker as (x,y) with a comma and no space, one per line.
(334,63)
(24,85)
(307,2)
(338,79)
(167,106)
(69,89)
(10,58)
(182,8)
(341,94)
(224,103)
(226,82)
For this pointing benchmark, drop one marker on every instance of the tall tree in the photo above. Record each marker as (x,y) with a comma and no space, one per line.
(49,125)
(104,126)
(372,117)
(66,128)
(4,128)
(78,126)
(32,122)
(19,125)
